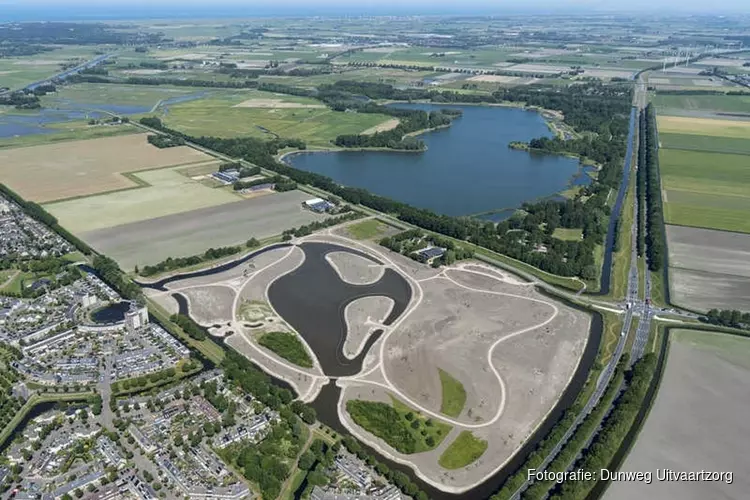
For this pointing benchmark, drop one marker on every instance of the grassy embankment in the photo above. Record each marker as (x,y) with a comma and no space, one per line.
(210,349)
(67,131)
(464,450)
(454,395)
(369,229)
(398,425)
(288,346)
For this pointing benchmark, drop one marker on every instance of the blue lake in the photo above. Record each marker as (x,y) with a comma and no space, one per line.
(467,169)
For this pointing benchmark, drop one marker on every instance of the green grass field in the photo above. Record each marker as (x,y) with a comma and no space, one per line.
(703,189)
(705,143)
(165,192)
(732,348)
(367,229)
(566,234)
(17,72)
(464,450)
(454,395)
(398,425)
(717,103)
(91,94)
(67,131)
(219,116)
(288,346)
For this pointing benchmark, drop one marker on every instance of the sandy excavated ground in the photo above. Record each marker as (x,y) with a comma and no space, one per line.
(354,269)
(494,78)
(363,317)
(210,305)
(79,168)
(698,422)
(383,127)
(708,268)
(274,104)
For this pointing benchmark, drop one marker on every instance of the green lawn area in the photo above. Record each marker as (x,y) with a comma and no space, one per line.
(610,337)
(706,143)
(15,286)
(219,115)
(288,346)
(709,190)
(718,103)
(464,450)
(367,229)
(567,234)
(67,131)
(454,395)
(92,94)
(404,429)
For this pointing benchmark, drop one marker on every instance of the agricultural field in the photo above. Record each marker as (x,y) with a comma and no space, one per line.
(720,104)
(17,72)
(712,144)
(265,115)
(191,232)
(124,99)
(704,126)
(81,168)
(709,269)
(696,421)
(162,192)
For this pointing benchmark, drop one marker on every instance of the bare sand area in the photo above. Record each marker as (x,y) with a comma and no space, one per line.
(363,317)
(698,421)
(494,78)
(80,168)
(383,127)
(190,233)
(275,104)
(210,305)
(355,269)
(709,268)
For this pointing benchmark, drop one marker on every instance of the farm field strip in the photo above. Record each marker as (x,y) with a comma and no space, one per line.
(81,168)
(704,126)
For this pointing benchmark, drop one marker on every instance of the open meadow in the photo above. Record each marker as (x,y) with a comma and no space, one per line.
(121,98)
(696,421)
(192,232)
(265,115)
(81,168)
(729,104)
(704,126)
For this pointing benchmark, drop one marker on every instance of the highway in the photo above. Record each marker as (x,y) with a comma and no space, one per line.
(65,74)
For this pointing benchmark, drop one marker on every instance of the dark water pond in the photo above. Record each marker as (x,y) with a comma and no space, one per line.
(468,168)
(112,313)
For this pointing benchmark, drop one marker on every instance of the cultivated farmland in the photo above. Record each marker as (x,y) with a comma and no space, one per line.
(704,126)
(709,269)
(81,168)
(697,421)
(706,189)
(189,233)
(729,104)
(163,192)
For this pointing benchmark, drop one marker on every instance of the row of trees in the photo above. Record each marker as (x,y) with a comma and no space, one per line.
(615,428)
(164,141)
(728,317)
(308,229)
(109,271)
(190,327)
(641,175)
(410,121)
(655,244)
(171,263)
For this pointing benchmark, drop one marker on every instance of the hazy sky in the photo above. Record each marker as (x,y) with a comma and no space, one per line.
(10,9)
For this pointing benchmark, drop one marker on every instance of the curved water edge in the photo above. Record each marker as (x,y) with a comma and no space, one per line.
(327,401)
(159,285)
(467,168)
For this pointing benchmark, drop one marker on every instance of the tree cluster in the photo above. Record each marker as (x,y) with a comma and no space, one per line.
(164,141)
(728,317)
(171,263)
(190,327)
(110,273)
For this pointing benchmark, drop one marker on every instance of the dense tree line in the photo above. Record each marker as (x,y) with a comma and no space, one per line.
(641,174)
(243,373)
(108,271)
(728,317)
(614,429)
(176,82)
(73,33)
(655,245)
(20,100)
(190,327)
(171,263)
(165,141)
(409,121)
(308,229)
